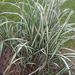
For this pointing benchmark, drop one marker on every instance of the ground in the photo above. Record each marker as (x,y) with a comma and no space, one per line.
(14,70)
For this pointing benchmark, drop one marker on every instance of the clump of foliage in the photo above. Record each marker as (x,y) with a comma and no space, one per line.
(38,35)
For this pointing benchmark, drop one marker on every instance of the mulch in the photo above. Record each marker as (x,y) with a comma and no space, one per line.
(5,59)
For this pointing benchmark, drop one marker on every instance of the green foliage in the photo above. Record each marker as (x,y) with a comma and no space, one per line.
(1,47)
(38,35)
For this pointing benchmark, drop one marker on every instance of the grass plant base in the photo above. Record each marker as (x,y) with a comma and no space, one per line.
(6,58)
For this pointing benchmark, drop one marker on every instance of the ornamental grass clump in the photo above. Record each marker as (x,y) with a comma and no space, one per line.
(38,35)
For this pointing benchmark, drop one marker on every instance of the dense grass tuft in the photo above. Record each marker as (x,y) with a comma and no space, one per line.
(38,35)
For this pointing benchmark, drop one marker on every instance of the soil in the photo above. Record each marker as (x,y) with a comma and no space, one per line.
(5,59)
(14,70)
